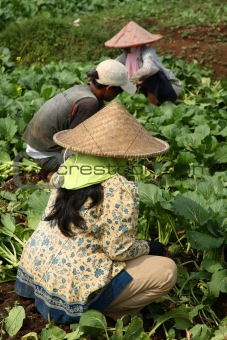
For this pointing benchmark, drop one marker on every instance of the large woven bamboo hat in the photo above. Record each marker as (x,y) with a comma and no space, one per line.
(132,35)
(111,132)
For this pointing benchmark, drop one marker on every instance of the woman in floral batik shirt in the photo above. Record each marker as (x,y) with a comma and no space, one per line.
(84,253)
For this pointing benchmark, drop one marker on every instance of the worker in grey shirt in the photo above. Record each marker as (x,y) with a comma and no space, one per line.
(145,69)
(70,108)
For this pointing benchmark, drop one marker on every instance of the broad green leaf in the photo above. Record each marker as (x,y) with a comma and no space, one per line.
(206,190)
(217,184)
(8,222)
(200,332)
(185,157)
(5,104)
(31,81)
(14,321)
(48,91)
(183,185)
(150,194)
(179,312)
(94,319)
(211,266)
(37,203)
(135,328)
(220,334)
(181,323)
(10,90)
(202,130)
(202,241)
(223,322)
(66,78)
(8,128)
(74,326)
(219,206)
(195,310)
(4,157)
(221,154)
(21,124)
(33,219)
(52,333)
(9,196)
(199,170)
(170,131)
(218,283)
(223,132)
(118,333)
(192,141)
(93,322)
(201,275)
(192,206)
(5,53)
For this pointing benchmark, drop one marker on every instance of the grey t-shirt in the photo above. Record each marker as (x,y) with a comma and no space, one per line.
(64,111)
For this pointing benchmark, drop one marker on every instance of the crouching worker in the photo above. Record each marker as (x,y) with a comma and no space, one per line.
(84,253)
(155,81)
(70,108)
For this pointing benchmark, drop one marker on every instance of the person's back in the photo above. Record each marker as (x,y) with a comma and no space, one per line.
(80,266)
(56,115)
(84,254)
(70,108)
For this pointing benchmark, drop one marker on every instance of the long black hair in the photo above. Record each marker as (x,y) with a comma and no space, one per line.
(68,203)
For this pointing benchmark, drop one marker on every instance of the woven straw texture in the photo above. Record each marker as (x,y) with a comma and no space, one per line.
(132,35)
(111,132)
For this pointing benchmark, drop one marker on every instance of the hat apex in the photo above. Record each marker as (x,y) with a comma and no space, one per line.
(132,35)
(111,132)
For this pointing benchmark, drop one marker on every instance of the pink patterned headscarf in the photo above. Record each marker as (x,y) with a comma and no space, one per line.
(132,60)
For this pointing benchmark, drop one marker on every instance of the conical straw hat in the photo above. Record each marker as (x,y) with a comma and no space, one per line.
(132,35)
(111,132)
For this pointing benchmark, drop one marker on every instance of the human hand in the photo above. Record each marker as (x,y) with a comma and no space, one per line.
(136,82)
(134,79)
(139,83)
(159,249)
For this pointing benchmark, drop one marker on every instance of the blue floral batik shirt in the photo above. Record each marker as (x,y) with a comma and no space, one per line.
(67,276)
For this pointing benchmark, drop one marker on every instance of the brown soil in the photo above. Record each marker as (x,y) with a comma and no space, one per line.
(34,322)
(206,44)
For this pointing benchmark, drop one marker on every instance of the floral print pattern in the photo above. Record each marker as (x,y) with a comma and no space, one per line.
(69,274)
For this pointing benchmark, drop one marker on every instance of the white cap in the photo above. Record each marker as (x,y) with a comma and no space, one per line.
(112,72)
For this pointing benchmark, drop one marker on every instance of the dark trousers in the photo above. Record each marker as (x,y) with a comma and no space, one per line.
(160,86)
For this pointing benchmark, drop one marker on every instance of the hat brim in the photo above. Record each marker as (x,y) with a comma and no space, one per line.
(111,132)
(130,88)
(119,44)
(155,146)
(132,35)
